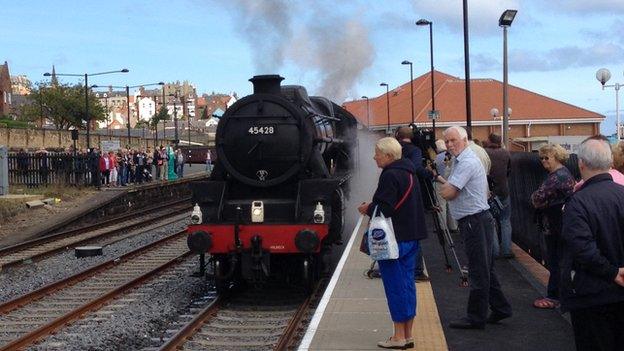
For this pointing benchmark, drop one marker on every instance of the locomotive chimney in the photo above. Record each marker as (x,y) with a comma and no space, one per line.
(267,84)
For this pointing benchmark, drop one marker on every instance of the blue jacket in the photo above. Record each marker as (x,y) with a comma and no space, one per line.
(593,244)
(414,154)
(409,219)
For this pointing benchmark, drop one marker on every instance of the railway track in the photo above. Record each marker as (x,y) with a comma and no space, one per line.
(26,319)
(256,320)
(112,230)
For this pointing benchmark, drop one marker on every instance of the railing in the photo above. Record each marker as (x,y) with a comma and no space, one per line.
(43,169)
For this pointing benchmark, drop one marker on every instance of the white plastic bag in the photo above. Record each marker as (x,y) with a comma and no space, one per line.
(382,243)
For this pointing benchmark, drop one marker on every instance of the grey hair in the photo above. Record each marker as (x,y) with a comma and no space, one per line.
(389,146)
(596,155)
(460,130)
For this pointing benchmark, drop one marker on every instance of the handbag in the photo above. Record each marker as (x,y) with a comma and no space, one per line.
(496,206)
(365,242)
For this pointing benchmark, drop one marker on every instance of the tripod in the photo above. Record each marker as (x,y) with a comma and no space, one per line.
(444,235)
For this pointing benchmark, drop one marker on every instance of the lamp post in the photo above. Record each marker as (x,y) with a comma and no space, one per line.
(175,117)
(505,21)
(411,85)
(467,69)
(128,98)
(424,22)
(603,75)
(367,112)
(86,88)
(387,104)
(188,123)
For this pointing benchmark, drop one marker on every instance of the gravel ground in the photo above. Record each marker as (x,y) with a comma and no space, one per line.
(137,319)
(20,280)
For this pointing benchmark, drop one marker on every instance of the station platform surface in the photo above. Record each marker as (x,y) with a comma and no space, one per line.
(354,315)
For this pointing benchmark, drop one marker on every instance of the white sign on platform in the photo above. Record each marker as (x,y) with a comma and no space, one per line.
(110,145)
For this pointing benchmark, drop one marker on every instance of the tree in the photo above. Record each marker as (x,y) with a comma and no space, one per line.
(62,104)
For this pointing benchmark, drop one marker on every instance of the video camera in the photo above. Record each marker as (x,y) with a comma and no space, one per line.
(424,139)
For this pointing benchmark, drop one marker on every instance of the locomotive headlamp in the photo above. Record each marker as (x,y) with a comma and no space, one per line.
(196,215)
(319,213)
(257,212)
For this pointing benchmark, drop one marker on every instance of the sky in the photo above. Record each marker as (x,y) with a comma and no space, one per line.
(339,49)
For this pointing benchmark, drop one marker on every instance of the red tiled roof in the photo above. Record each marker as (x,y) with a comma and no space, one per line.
(450,101)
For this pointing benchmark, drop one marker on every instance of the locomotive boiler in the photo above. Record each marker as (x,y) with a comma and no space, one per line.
(274,204)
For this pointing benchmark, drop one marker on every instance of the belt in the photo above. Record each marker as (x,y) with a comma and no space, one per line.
(478,214)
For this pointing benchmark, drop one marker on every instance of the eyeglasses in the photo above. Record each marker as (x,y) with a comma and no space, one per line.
(544,158)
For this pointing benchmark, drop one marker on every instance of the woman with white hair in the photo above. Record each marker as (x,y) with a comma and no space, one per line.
(398,197)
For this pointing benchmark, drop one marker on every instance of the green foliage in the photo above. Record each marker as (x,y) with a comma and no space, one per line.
(161,115)
(10,123)
(62,104)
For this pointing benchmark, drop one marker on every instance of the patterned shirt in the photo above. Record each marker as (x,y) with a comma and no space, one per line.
(555,190)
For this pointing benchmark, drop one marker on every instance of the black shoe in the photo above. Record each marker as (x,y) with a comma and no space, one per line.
(422,278)
(466,324)
(496,317)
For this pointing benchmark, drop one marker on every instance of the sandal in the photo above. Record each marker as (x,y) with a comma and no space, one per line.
(546,303)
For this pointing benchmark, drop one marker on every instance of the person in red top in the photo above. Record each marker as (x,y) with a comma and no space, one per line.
(104,167)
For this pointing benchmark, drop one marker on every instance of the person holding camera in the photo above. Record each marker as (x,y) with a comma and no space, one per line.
(414,154)
(466,190)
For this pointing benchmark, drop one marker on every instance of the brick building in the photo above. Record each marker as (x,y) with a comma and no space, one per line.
(535,119)
(5,89)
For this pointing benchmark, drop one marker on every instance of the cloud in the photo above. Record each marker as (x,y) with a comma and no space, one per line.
(484,63)
(483,15)
(565,57)
(585,7)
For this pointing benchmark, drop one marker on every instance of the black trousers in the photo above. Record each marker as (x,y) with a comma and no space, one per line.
(599,328)
(478,231)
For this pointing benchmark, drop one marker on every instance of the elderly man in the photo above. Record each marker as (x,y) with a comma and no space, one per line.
(467,191)
(592,268)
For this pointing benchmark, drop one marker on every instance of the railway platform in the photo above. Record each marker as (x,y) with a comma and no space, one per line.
(353,313)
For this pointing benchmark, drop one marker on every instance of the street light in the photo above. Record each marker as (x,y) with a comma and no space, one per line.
(505,21)
(175,117)
(424,22)
(411,85)
(128,98)
(367,112)
(387,104)
(188,122)
(86,78)
(603,75)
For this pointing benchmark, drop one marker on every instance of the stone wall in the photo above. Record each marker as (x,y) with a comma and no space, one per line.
(33,139)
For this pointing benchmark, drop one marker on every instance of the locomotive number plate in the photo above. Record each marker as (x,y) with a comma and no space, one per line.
(266,130)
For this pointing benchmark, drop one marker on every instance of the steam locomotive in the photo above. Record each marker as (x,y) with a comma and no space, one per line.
(274,204)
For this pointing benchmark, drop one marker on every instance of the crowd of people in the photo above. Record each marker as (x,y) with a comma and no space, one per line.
(582,223)
(136,166)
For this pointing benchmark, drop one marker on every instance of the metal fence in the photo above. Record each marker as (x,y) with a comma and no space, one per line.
(53,168)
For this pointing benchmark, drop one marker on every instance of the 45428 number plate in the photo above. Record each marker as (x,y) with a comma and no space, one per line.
(264,130)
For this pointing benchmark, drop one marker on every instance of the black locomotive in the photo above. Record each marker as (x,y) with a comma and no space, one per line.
(275,201)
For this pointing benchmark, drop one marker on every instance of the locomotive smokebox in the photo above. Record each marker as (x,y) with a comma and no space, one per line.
(267,84)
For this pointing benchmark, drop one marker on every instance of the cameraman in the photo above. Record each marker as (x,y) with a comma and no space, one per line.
(413,153)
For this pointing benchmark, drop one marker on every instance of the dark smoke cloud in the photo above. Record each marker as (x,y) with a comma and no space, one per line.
(266,26)
(336,46)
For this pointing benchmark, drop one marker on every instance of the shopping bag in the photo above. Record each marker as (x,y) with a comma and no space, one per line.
(382,243)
